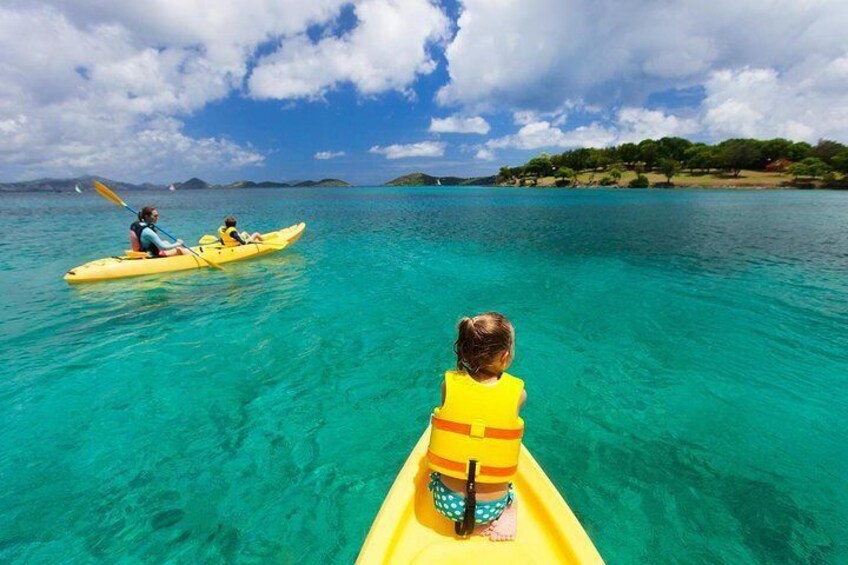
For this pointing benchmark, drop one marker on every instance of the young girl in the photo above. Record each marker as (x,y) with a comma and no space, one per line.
(230,236)
(475,436)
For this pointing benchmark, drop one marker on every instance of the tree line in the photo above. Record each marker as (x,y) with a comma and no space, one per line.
(671,155)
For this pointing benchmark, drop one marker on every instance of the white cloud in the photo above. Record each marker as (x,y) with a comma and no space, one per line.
(103,88)
(485,154)
(629,125)
(636,124)
(386,51)
(321,155)
(458,124)
(536,53)
(108,84)
(806,103)
(766,68)
(539,135)
(422,149)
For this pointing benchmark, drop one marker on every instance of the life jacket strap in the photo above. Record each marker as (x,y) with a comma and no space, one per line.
(469,430)
(461,467)
(465,526)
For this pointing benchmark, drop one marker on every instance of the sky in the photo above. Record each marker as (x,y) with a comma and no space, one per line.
(365,91)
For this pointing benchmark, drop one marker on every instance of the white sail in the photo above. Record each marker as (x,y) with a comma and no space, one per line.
(172,188)
(77,188)
(439,182)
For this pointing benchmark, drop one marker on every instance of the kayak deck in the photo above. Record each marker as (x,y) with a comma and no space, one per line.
(408,529)
(124,266)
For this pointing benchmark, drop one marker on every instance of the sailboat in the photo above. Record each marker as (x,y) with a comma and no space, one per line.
(77,188)
(172,188)
(438,182)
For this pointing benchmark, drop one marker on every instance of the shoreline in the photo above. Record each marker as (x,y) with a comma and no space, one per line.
(747,180)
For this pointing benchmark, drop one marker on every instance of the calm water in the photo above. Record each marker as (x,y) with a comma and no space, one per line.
(685,354)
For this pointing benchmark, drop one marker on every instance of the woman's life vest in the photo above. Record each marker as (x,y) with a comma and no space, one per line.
(225,234)
(477,422)
(135,230)
(135,241)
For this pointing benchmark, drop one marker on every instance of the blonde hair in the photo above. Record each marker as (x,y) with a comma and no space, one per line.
(481,340)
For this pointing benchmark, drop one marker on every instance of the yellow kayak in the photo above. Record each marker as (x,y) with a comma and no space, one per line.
(408,529)
(132,266)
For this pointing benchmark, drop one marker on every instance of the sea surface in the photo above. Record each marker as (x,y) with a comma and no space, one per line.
(685,355)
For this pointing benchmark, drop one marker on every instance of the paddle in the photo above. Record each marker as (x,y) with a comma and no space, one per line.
(106,193)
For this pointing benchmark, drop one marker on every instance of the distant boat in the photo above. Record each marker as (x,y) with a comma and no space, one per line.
(172,188)
(439,182)
(77,188)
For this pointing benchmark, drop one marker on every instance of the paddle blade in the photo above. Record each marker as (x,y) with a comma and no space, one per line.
(208,240)
(103,191)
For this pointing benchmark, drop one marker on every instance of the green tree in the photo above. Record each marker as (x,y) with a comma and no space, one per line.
(737,154)
(648,153)
(826,150)
(777,148)
(597,159)
(540,166)
(811,167)
(628,153)
(576,159)
(565,173)
(673,148)
(840,162)
(669,167)
(799,151)
(615,174)
(701,157)
(504,174)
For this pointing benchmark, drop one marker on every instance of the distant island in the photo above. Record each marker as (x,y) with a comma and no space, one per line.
(295,184)
(674,161)
(421,179)
(194,183)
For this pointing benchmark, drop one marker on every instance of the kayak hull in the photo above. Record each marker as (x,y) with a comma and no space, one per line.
(111,268)
(408,529)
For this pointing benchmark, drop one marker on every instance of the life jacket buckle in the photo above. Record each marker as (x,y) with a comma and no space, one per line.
(478,429)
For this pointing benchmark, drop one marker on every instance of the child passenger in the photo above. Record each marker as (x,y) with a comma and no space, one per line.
(230,236)
(475,437)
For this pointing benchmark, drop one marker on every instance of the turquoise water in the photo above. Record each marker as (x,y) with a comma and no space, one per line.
(685,354)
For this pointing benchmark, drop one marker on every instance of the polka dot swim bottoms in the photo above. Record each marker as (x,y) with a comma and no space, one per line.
(451,505)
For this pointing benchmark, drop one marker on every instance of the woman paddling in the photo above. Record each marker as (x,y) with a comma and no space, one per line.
(149,241)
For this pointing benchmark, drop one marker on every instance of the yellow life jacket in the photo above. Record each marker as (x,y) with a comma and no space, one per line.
(225,235)
(480,422)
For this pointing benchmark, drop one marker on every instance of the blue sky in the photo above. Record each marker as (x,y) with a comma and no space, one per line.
(368,90)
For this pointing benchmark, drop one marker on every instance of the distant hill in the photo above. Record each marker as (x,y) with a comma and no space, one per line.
(292,184)
(251,184)
(421,179)
(323,182)
(193,183)
(86,184)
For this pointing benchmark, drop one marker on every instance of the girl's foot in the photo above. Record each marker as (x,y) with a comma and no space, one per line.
(504,528)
